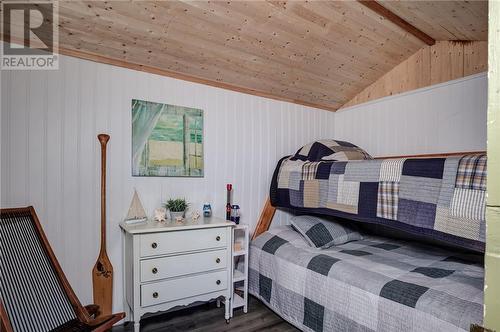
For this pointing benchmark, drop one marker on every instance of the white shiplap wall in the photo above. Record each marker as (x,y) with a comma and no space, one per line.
(447,117)
(50,154)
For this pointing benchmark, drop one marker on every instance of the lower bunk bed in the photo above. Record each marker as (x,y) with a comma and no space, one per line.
(374,284)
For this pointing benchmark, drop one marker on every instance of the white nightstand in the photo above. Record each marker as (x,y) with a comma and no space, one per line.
(175,264)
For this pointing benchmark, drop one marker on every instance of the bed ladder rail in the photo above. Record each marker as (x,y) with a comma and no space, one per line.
(265,219)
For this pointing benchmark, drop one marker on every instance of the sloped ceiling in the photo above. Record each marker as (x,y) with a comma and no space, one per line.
(445,20)
(317,53)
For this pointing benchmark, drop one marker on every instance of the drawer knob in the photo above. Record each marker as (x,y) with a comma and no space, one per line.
(217,260)
(218,238)
(155,295)
(218,282)
(154,245)
(154,270)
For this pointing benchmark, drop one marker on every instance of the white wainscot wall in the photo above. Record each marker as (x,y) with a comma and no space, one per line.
(50,155)
(447,117)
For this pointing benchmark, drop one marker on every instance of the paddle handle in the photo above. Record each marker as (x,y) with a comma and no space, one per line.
(103,139)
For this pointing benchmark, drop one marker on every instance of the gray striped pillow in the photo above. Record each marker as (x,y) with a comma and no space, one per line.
(322,233)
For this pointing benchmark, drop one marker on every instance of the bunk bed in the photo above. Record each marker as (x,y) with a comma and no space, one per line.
(379,283)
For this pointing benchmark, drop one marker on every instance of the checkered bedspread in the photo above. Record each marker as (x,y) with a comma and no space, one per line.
(376,284)
(443,198)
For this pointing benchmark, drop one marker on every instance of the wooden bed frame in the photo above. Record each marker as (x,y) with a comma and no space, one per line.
(268,211)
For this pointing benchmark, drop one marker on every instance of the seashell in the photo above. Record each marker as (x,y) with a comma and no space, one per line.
(160,215)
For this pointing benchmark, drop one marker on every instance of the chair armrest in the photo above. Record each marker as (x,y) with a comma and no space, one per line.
(102,324)
(92,309)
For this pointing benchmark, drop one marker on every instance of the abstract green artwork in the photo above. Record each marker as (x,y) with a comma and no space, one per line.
(167,140)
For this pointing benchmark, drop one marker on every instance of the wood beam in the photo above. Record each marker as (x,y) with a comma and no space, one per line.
(400,22)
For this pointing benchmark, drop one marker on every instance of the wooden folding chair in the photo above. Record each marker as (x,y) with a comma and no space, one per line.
(34,292)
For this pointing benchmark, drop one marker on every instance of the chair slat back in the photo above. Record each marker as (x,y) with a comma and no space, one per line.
(30,290)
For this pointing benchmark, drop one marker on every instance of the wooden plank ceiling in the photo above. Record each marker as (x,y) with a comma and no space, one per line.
(445,20)
(317,53)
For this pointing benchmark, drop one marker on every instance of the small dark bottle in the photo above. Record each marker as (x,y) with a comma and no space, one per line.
(229,187)
(228,211)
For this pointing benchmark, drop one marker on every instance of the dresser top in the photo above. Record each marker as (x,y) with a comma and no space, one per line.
(152,226)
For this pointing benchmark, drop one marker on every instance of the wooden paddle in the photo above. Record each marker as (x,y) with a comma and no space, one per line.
(102,274)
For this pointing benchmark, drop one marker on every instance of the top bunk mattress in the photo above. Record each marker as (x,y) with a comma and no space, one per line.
(376,284)
(440,198)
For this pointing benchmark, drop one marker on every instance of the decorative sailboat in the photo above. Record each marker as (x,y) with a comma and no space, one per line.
(136,213)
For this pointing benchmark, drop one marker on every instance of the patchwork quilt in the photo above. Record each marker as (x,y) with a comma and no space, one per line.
(374,284)
(442,198)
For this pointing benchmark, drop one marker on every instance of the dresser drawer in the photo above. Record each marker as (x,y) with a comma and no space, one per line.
(172,242)
(173,266)
(181,288)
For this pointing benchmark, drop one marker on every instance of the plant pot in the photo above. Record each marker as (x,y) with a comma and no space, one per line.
(175,215)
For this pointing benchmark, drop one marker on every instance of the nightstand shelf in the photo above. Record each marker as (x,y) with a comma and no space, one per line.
(238,301)
(241,238)
(238,276)
(239,253)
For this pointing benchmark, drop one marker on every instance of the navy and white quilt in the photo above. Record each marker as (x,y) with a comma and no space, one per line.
(374,284)
(442,198)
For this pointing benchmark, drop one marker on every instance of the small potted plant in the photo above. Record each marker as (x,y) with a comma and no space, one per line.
(177,208)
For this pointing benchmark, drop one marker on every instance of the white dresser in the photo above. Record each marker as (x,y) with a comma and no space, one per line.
(175,264)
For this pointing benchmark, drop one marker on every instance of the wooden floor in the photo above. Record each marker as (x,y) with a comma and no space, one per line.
(208,317)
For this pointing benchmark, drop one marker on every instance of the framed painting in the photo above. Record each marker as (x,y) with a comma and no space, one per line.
(167,140)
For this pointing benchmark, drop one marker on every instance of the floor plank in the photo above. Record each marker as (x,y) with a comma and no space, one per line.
(209,318)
